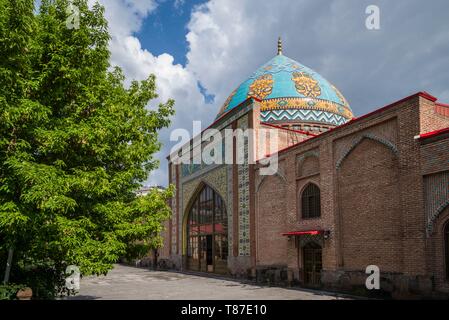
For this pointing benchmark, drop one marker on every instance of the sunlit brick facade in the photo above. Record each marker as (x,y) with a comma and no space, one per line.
(380,196)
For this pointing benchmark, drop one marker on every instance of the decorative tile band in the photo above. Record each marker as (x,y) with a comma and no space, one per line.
(303,115)
(292,103)
(243,196)
(174,227)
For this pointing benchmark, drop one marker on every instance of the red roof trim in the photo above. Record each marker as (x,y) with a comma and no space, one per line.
(288,129)
(433,133)
(427,96)
(422,94)
(300,233)
(255,98)
(442,104)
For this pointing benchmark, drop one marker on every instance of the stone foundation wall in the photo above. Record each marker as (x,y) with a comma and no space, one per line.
(240,267)
(392,285)
(274,275)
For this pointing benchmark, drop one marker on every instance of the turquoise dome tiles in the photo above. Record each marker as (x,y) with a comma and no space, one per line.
(291,92)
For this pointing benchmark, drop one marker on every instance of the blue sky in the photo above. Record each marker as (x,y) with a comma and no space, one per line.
(165,29)
(200,51)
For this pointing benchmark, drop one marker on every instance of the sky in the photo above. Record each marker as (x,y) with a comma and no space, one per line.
(201,50)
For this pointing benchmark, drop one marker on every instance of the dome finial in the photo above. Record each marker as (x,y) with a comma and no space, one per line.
(279,46)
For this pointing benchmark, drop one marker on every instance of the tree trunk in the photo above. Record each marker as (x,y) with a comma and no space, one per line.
(8,266)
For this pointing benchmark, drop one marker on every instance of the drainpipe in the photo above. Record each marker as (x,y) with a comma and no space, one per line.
(8,265)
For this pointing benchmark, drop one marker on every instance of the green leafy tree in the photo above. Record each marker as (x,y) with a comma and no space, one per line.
(75,145)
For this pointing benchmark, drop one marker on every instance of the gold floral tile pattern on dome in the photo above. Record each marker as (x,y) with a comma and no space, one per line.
(261,87)
(306,85)
(306,104)
(282,77)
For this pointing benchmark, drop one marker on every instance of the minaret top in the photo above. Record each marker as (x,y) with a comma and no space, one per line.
(279,46)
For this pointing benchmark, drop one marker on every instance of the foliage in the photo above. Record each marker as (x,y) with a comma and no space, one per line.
(9,292)
(75,145)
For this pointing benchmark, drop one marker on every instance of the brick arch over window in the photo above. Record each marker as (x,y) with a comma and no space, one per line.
(359,139)
(369,213)
(310,201)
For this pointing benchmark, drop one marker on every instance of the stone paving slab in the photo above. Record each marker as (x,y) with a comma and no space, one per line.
(130,283)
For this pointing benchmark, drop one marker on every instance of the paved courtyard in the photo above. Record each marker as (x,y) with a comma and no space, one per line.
(125,282)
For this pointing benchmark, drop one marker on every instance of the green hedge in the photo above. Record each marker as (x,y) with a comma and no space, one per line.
(8,292)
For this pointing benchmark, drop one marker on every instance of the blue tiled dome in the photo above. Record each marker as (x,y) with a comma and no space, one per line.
(291,92)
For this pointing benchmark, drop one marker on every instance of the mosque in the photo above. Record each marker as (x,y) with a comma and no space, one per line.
(348,193)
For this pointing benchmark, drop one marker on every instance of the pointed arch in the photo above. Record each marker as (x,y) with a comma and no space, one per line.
(431,220)
(446,248)
(310,201)
(306,156)
(359,139)
(279,174)
(369,173)
(204,230)
(185,215)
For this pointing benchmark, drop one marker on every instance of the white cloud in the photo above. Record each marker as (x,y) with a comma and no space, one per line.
(125,17)
(228,40)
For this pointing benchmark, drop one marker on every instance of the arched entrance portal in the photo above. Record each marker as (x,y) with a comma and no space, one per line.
(207,233)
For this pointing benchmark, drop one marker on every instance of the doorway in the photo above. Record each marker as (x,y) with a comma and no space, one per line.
(207,233)
(209,257)
(312,258)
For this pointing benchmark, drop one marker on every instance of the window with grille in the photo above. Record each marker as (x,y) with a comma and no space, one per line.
(310,202)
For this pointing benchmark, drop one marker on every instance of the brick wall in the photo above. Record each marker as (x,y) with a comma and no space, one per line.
(270,222)
(370,176)
(432,116)
(434,156)
(369,208)
(435,170)
(370,173)
(437,261)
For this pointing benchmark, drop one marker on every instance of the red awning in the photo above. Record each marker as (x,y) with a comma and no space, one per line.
(300,233)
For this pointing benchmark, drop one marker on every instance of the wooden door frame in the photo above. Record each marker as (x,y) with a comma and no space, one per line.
(314,246)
